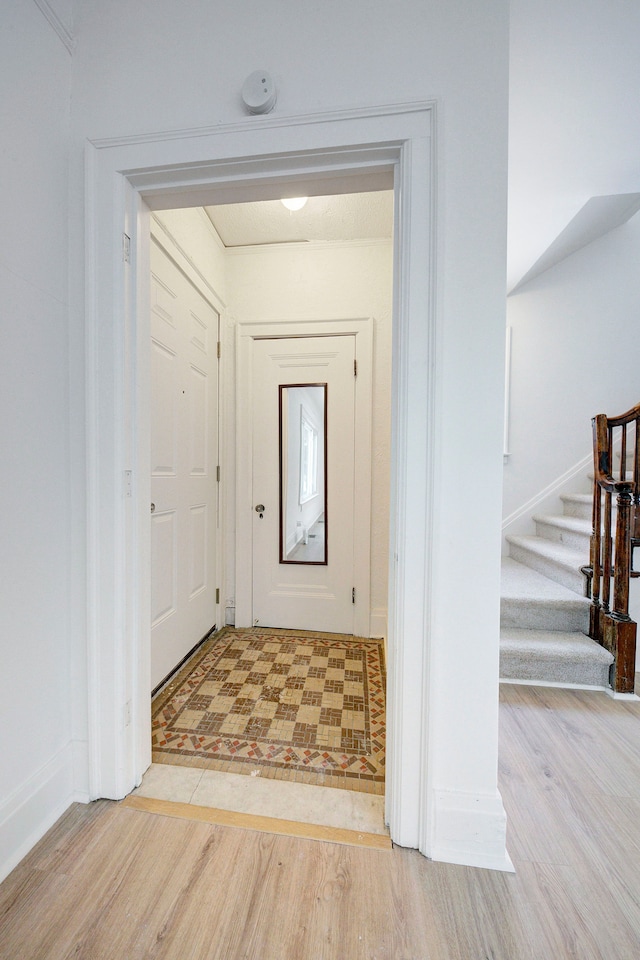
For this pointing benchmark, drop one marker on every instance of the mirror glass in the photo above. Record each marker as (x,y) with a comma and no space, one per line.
(303,473)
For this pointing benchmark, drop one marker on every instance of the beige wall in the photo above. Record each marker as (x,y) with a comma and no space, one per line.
(288,282)
(322,282)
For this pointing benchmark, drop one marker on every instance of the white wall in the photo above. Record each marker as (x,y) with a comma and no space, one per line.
(36,759)
(575,353)
(573,115)
(299,281)
(159,65)
(574,119)
(195,236)
(323,282)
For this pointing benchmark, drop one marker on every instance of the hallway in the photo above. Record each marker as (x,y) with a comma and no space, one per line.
(264,722)
(307,707)
(110,882)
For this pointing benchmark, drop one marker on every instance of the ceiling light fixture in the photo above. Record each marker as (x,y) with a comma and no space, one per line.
(294,203)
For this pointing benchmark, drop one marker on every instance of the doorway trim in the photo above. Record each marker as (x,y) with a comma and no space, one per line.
(246,334)
(251,159)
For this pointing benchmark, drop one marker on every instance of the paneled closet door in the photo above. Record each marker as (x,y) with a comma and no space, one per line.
(184,444)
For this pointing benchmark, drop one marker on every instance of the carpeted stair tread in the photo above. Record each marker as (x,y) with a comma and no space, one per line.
(572,531)
(574,524)
(553,657)
(544,615)
(555,560)
(519,580)
(530,600)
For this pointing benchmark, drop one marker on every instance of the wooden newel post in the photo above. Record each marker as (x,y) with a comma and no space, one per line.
(621,628)
(610,623)
(622,563)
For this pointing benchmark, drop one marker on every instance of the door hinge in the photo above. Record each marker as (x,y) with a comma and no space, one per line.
(219,350)
(355,368)
(353,594)
(218,473)
(217,595)
(126,248)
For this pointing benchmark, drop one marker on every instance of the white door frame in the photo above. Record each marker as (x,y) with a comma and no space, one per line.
(246,333)
(251,159)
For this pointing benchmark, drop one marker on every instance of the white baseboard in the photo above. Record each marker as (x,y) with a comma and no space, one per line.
(378,623)
(470,829)
(33,807)
(519,521)
(620,696)
(559,684)
(80,758)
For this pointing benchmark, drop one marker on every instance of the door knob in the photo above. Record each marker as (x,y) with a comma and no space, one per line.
(153,508)
(260,509)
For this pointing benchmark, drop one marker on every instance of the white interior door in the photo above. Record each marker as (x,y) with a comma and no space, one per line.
(297,584)
(184,397)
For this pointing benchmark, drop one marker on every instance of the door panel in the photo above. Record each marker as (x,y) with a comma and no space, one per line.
(198,422)
(184,392)
(314,596)
(163,420)
(164,566)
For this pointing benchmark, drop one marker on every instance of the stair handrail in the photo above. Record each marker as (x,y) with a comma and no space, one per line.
(610,623)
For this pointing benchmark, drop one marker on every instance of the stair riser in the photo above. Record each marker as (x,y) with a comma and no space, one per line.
(564,658)
(573,580)
(541,670)
(576,509)
(582,511)
(541,615)
(571,538)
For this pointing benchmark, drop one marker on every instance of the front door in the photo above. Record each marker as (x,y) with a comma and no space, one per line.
(184,396)
(303,454)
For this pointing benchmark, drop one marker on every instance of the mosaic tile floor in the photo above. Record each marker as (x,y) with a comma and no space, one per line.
(278,704)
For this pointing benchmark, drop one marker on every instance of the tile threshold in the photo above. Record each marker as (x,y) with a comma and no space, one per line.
(258,796)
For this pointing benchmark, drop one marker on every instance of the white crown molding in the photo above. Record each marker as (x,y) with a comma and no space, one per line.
(206,219)
(261,123)
(164,237)
(60,28)
(246,249)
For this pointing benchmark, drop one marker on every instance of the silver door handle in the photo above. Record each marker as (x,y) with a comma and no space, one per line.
(153,508)
(260,509)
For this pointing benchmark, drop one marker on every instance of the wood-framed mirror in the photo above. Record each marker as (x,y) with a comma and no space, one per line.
(303,473)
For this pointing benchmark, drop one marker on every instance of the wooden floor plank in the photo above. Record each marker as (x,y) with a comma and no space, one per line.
(110,882)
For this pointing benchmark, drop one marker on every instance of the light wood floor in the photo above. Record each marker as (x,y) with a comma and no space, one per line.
(119,884)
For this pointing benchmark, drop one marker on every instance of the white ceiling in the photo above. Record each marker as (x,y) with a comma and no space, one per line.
(349,216)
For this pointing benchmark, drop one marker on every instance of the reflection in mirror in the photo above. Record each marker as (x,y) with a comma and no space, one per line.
(303,471)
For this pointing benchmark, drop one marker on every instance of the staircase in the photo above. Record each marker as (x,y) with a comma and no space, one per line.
(544,613)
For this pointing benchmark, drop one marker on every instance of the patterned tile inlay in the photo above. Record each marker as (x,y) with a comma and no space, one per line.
(276,701)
